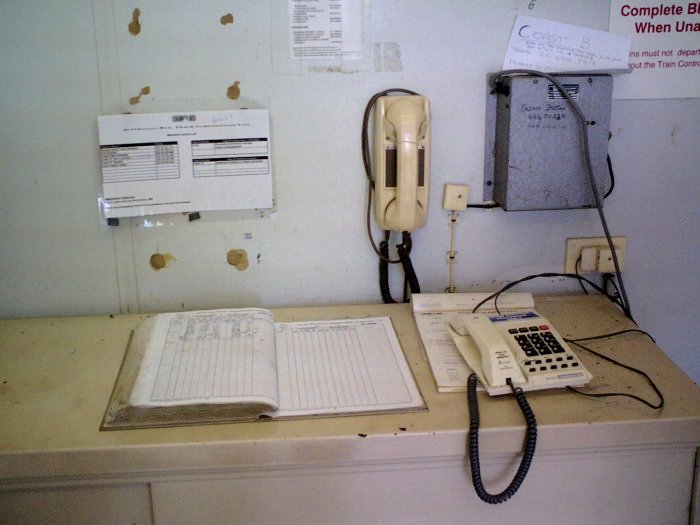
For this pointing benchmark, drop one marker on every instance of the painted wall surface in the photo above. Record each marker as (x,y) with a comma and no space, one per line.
(64,63)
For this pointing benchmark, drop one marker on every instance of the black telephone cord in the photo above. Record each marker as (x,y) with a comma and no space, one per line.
(529,444)
(384,270)
(404,252)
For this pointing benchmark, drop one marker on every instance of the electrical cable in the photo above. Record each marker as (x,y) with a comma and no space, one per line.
(578,264)
(609,281)
(611,173)
(651,383)
(484,206)
(404,251)
(384,270)
(615,334)
(529,444)
(583,124)
(578,277)
(410,279)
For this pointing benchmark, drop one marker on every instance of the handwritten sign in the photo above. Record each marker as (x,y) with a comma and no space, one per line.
(552,47)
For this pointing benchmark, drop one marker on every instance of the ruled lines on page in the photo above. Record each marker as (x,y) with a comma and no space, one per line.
(342,366)
(218,356)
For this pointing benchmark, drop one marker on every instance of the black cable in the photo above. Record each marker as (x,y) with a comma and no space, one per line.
(529,444)
(404,251)
(615,334)
(609,281)
(583,128)
(578,277)
(611,173)
(384,270)
(656,406)
(486,205)
(578,263)
(410,279)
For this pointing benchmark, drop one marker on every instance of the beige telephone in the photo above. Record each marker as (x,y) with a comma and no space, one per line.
(401,162)
(522,346)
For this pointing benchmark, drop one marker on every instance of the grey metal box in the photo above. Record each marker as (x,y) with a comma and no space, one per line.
(538,152)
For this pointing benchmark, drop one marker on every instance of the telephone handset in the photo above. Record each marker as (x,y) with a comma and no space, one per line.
(521,346)
(401,162)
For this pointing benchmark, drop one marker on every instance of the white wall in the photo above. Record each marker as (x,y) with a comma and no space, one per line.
(64,63)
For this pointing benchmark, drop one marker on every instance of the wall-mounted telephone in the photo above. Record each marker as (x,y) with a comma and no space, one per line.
(521,346)
(401,162)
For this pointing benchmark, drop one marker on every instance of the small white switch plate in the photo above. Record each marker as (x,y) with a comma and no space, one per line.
(581,246)
(455,197)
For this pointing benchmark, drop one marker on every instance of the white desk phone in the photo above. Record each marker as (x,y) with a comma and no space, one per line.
(512,353)
(522,346)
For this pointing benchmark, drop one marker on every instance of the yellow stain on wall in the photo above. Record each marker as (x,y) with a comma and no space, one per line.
(145,90)
(234,90)
(158,261)
(238,259)
(135,24)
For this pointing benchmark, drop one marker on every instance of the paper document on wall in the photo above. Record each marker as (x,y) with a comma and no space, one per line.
(548,46)
(665,50)
(184,162)
(326,29)
(433,313)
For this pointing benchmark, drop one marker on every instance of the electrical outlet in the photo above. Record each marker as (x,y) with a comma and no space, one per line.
(593,254)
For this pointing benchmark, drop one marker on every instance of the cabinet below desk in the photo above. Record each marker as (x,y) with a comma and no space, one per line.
(112,504)
(609,461)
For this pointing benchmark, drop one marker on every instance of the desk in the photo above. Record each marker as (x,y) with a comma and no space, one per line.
(597,461)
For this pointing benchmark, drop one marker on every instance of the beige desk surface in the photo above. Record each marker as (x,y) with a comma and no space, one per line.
(56,376)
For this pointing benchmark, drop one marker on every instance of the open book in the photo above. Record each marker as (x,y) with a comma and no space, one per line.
(219,365)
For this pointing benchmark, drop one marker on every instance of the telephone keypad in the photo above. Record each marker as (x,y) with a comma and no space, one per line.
(539,341)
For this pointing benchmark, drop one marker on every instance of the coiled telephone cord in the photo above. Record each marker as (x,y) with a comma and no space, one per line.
(473,441)
(404,252)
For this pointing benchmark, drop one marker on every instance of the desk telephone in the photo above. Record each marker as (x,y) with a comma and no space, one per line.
(522,346)
(512,353)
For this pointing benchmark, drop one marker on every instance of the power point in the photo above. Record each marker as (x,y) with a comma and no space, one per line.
(588,260)
(455,197)
(592,254)
(605,261)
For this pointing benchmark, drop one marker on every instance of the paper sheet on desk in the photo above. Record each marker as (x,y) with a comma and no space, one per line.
(433,312)
(548,46)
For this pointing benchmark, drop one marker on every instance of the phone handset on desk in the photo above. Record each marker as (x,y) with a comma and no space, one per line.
(512,353)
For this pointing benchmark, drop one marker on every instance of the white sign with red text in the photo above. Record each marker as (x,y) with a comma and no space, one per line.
(665,51)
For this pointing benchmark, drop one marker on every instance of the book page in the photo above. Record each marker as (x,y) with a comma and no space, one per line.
(208,357)
(343,366)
